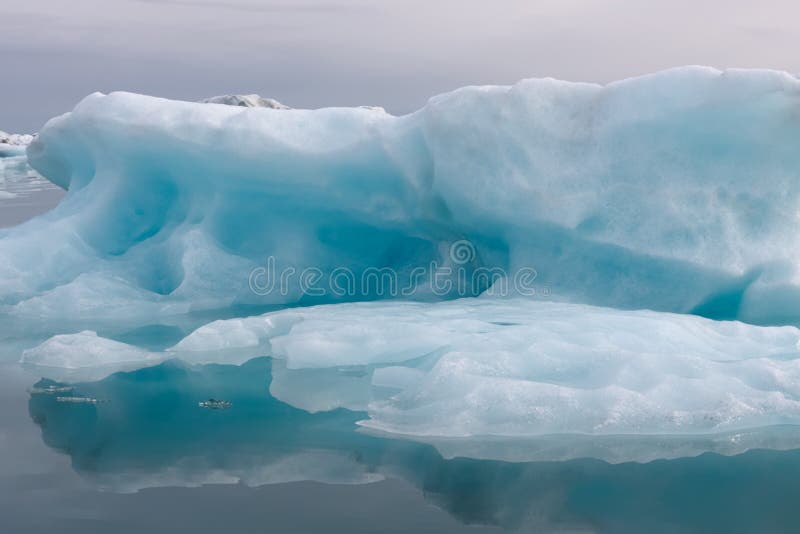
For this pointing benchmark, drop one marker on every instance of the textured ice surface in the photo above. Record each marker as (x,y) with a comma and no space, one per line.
(85,356)
(247,101)
(13,144)
(513,367)
(676,191)
(522,367)
(257,101)
(15,139)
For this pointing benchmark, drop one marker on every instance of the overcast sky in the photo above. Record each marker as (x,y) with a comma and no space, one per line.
(393,53)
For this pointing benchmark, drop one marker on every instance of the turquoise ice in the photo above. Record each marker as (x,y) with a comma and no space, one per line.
(659,215)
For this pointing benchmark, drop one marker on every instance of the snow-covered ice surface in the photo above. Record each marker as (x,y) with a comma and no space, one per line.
(247,101)
(659,215)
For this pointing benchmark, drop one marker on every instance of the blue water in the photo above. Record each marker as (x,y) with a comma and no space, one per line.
(124,464)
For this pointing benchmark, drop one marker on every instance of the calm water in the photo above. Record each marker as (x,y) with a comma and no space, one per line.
(23,198)
(147,457)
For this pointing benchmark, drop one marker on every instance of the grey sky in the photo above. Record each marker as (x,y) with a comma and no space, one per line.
(394,53)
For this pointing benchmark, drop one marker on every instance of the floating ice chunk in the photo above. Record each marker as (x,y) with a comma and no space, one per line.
(13,144)
(524,367)
(85,357)
(15,139)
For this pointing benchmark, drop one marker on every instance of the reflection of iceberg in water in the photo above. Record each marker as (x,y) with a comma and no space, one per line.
(152,433)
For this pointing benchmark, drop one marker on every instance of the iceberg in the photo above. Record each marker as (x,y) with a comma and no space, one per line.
(675,192)
(654,220)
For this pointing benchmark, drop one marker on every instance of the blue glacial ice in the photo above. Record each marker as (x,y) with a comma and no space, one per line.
(659,213)
(676,192)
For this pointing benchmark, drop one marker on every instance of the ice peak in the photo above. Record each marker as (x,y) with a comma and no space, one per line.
(246,101)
